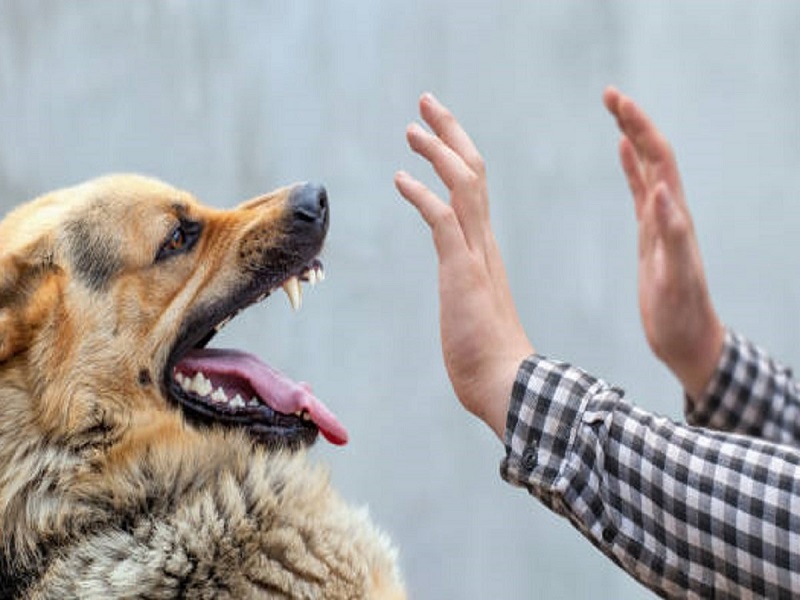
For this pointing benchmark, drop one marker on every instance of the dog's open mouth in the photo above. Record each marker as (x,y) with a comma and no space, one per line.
(234,388)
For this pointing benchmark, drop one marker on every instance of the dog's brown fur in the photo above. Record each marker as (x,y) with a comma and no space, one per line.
(105,489)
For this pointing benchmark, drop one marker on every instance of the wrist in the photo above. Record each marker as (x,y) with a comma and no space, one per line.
(498,397)
(696,373)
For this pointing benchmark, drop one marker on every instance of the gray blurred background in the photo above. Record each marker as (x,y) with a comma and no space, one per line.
(231,99)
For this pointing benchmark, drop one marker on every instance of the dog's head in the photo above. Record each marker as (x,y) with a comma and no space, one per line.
(110,291)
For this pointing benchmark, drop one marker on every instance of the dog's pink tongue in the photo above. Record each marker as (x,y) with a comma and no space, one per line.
(278,391)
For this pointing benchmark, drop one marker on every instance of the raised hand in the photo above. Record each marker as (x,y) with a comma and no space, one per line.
(679,319)
(483,341)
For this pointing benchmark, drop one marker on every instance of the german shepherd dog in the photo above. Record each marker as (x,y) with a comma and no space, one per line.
(136,462)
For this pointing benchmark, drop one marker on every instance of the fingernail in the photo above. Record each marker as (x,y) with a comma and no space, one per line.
(402,179)
(429,97)
(414,129)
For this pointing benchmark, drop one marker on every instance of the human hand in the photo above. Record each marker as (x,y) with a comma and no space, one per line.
(483,341)
(679,319)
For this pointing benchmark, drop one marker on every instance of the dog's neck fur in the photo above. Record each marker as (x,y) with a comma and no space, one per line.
(51,459)
(137,490)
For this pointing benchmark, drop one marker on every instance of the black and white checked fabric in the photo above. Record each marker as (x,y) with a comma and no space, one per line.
(688,511)
(750,393)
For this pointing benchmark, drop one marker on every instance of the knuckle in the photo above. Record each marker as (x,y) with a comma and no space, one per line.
(479,165)
(472,179)
(446,216)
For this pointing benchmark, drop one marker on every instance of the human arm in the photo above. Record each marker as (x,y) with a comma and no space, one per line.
(749,393)
(730,383)
(688,512)
(671,504)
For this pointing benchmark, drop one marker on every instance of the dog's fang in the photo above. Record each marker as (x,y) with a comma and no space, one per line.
(292,288)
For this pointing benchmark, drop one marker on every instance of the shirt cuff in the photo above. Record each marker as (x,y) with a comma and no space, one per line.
(741,367)
(547,402)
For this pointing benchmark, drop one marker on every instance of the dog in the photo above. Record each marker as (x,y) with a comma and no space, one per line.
(134,460)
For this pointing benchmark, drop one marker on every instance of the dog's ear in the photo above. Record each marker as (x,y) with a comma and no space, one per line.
(21,275)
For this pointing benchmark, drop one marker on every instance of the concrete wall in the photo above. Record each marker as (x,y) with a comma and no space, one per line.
(230,99)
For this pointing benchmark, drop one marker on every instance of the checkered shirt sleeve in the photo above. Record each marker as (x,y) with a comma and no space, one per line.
(688,512)
(750,393)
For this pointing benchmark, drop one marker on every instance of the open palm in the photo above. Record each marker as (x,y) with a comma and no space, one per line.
(678,317)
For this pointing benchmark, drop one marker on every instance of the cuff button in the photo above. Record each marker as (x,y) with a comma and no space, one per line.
(529,459)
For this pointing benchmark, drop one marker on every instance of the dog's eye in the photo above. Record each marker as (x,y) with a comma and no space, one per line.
(176,240)
(180,239)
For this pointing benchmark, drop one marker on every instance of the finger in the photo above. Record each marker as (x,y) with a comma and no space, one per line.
(656,158)
(447,127)
(468,188)
(633,173)
(450,167)
(440,217)
(637,126)
(651,145)
(611,98)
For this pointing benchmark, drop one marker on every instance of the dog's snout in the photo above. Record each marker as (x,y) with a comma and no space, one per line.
(309,204)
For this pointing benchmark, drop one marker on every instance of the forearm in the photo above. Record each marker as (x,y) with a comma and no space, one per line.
(654,496)
(749,393)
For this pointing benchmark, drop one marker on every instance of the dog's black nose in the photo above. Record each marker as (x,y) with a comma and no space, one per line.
(309,203)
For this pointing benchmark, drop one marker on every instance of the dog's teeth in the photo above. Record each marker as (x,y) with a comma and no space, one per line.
(219,395)
(306,416)
(184,381)
(262,296)
(320,274)
(294,292)
(237,402)
(253,402)
(200,385)
(311,275)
